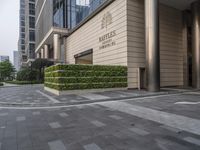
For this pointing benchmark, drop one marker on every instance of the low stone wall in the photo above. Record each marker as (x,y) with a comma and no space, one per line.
(78,77)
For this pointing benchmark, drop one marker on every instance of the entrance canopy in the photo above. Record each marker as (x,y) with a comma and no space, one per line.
(178,4)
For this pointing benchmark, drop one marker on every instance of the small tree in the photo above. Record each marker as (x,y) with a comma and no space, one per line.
(6,70)
(40,64)
(27,74)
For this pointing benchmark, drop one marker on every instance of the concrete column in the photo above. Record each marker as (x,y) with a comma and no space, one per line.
(196,43)
(185,48)
(57,47)
(42,53)
(46,51)
(38,55)
(152,45)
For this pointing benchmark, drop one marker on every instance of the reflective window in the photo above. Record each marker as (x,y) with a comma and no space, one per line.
(69,13)
(59,13)
(78,10)
(32,35)
(31,22)
(31,9)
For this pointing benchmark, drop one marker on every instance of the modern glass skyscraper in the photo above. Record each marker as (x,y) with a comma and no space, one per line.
(30,29)
(26,45)
(21,42)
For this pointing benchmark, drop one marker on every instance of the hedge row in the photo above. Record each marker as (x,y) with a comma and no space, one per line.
(80,86)
(78,73)
(72,77)
(1,84)
(23,82)
(85,79)
(85,68)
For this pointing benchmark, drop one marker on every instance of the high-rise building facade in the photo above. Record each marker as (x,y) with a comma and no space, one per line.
(4,58)
(157,40)
(21,41)
(30,29)
(16,61)
(27,31)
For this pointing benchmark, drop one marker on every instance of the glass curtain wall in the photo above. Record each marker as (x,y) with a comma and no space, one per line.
(69,13)
(78,10)
(59,13)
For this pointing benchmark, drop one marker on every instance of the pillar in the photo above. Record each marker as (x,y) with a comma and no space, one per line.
(57,47)
(185,48)
(152,45)
(196,43)
(46,51)
(42,53)
(38,55)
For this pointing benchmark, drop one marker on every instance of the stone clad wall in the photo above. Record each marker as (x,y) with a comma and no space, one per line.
(113,49)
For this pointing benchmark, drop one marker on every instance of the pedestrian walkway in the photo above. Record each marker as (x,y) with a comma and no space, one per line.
(35,95)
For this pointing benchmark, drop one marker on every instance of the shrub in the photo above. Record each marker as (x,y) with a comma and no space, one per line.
(27,75)
(72,77)
(1,84)
(23,82)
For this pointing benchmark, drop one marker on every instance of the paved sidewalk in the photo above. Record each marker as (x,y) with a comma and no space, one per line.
(34,95)
(150,123)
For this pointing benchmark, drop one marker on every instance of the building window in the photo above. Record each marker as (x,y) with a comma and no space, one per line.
(32,35)
(31,9)
(32,51)
(85,57)
(59,13)
(32,22)
(78,10)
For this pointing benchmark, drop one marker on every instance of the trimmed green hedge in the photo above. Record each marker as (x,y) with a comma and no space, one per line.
(1,84)
(23,82)
(74,77)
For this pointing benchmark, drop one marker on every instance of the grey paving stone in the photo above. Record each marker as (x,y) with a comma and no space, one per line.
(36,113)
(0,146)
(54,125)
(21,118)
(98,123)
(170,128)
(63,114)
(73,101)
(115,117)
(3,114)
(92,96)
(139,131)
(57,145)
(63,99)
(192,140)
(177,121)
(92,146)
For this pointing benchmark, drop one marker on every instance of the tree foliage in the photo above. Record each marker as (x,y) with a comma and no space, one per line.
(40,65)
(27,75)
(6,70)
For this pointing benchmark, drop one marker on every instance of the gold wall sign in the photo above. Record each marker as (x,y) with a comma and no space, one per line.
(107,39)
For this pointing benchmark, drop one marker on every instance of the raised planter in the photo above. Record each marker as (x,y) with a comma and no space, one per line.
(82,77)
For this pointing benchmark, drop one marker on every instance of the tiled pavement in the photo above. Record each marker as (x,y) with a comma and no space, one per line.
(150,123)
(36,96)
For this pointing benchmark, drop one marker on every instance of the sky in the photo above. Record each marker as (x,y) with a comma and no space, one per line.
(9,27)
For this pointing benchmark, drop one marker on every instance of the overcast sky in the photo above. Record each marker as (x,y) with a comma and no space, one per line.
(9,27)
